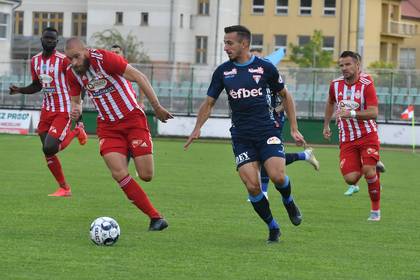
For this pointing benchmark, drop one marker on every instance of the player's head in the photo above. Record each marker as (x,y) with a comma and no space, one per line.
(78,55)
(237,39)
(49,39)
(256,52)
(349,64)
(117,50)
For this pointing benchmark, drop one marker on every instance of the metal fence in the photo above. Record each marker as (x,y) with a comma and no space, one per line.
(182,88)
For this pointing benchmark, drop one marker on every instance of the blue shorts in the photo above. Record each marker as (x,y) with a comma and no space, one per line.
(257,148)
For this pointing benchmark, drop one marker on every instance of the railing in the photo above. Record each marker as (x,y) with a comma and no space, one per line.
(182,90)
(399,28)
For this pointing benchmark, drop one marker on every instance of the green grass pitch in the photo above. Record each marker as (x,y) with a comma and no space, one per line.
(213,232)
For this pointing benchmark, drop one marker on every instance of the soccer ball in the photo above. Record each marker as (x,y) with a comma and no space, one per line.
(104,231)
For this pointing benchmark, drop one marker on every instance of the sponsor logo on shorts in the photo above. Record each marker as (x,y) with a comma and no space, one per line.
(44,78)
(273,140)
(52,129)
(371,151)
(342,163)
(242,157)
(136,142)
(101,142)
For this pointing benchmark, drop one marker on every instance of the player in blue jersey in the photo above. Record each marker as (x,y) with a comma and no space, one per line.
(308,155)
(256,137)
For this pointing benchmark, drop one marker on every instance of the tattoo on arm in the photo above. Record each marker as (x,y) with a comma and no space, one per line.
(154,103)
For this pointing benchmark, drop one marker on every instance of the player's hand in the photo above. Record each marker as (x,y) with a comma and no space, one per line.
(342,113)
(162,114)
(279,108)
(299,140)
(142,105)
(75,114)
(194,135)
(327,133)
(14,90)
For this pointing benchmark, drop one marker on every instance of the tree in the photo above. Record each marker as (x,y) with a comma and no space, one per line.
(130,45)
(304,55)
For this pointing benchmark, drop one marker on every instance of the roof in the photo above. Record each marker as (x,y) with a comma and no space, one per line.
(410,9)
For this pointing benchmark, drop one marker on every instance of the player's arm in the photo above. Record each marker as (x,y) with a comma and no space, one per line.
(134,75)
(289,107)
(203,115)
(329,111)
(30,89)
(371,112)
(75,107)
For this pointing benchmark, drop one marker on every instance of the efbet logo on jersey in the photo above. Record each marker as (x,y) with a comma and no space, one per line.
(245,93)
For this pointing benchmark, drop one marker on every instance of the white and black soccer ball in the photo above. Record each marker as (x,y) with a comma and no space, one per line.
(104,231)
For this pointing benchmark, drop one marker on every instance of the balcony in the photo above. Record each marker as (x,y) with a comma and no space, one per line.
(399,29)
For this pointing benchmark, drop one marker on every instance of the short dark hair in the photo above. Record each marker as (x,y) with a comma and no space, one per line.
(243,33)
(256,50)
(50,29)
(351,54)
(116,46)
(359,57)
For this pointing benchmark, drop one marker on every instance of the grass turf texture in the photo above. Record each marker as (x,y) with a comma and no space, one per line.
(214,232)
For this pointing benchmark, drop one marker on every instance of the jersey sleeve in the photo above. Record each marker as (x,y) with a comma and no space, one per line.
(216,85)
(275,81)
(113,63)
(33,72)
(72,83)
(331,93)
(370,96)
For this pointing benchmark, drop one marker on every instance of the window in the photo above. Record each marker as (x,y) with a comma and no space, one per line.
(258,7)
(257,41)
(203,7)
(191,21)
(303,40)
(144,19)
(79,24)
(329,8)
(328,44)
(19,23)
(280,41)
(119,18)
(43,20)
(201,50)
(3,25)
(282,7)
(181,21)
(407,58)
(305,8)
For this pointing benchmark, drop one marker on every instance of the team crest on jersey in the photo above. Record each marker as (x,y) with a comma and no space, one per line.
(257,78)
(45,78)
(348,93)
(136,142)
(370,151)
(51,68)
(231,73)
(101,142)
(357,95)
(99,74)
(273,140)
(342,163)
(44,68)
(259,70)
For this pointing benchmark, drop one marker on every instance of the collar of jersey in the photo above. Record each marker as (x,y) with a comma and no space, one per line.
(246,63)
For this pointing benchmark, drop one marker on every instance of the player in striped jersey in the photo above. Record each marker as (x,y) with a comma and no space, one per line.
(122,123)
(48,74)
(352,100)
(379,165)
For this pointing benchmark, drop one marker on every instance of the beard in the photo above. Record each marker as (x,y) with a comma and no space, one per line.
(48,48)
(82,69)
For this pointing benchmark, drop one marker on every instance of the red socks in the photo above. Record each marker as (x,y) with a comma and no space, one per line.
(137,196)
(374,188)
(69,137)
(55,167)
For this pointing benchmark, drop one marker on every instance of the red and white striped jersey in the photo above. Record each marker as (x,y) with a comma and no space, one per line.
(51,74)
(357,96)
(366,76)
(111,94)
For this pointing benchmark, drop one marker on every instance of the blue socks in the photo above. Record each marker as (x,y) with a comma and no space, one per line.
(285,191)
(262,207)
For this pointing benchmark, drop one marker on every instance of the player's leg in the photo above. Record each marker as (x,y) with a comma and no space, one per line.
(276,171)
(308,155)
(50,129)
(350,166)
(264,181)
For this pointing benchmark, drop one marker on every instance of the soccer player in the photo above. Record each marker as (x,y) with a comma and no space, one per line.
(308,155)
(355,103)
(256,138)
(379,165)
(122,123)
(48,74)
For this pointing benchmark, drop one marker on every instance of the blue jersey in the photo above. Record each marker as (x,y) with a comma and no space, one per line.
(248,88)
